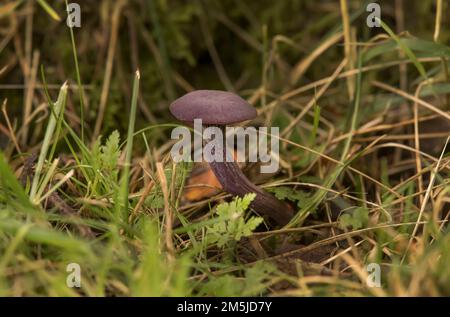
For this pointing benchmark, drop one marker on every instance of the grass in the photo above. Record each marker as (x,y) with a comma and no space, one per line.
(86,175)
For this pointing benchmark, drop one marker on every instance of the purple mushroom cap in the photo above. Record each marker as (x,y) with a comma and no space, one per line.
(214,107)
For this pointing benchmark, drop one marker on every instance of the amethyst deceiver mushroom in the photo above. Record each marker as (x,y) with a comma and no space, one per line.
(219,109)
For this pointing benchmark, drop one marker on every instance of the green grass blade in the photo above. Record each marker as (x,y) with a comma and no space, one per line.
(51,12)
(80,86)
(46,236)
(122,203)
(9,181)
(405,49)
(318,197)
(47,139)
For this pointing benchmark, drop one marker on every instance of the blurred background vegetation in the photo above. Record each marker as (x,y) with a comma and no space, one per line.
(184,45)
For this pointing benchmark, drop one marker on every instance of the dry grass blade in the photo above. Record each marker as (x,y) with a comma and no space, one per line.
(109,67)
(31,82)
(302,66)
(168,215)
(425,201)
(313,101)
(412,98)
(10,128)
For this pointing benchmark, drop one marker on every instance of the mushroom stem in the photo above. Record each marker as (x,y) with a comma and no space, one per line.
(236,183)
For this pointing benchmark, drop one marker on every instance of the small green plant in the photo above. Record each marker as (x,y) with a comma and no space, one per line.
(254,282)
(103,160)
(294,195)
(357,218)
(231,225)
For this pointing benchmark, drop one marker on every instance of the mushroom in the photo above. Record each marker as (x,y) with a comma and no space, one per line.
(219,109)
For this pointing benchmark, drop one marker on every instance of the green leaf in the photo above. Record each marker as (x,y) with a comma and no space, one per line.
(406,49)
(109,153)
(295,195)
(422,47)
(225,285)
(232,225)
(357,219)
